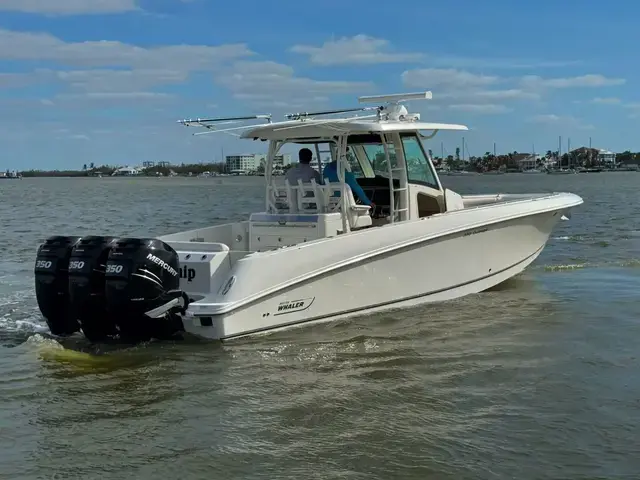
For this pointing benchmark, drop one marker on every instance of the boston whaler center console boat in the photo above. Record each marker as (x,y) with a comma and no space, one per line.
(313,253)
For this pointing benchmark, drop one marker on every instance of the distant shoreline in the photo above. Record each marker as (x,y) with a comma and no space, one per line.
(511,163)
(108,171)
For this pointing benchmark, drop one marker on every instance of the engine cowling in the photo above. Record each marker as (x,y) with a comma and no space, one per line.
(87,287)
(142,289)
(52,284)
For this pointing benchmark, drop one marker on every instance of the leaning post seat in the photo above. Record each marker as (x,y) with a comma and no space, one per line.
(314,198)
(302,213)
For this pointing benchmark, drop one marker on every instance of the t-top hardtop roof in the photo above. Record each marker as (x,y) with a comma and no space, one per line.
(392,117)
(325,129)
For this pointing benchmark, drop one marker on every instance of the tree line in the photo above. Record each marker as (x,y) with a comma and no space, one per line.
(583,157)
(91,170)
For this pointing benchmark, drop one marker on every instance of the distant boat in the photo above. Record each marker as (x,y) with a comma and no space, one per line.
(10,175)
(561,171)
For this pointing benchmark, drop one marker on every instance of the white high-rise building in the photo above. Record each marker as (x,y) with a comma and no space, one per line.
(241,163)
(250,162)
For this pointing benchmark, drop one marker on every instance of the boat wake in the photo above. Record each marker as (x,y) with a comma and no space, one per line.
(621,263)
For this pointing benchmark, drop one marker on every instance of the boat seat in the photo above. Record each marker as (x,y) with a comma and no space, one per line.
(314,198)
(359,216)
(287,198)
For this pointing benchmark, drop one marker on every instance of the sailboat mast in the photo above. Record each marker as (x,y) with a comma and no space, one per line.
(560,151)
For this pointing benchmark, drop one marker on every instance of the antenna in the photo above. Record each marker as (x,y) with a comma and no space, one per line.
(396,97)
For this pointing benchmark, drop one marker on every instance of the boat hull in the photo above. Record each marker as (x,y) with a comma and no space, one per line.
(436,269)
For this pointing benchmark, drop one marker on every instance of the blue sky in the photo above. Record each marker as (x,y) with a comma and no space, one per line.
(104,81)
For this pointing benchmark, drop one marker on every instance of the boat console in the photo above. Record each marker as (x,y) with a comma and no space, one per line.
(378,191)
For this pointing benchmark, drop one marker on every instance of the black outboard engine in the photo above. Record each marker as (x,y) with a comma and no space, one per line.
(142,289)
(52,284)
(86,287)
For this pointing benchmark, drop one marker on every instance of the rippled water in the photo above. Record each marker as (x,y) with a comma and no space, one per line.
(539,378)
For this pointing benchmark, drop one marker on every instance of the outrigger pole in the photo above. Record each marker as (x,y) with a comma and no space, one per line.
(392,109)
(206,123)
(301,115)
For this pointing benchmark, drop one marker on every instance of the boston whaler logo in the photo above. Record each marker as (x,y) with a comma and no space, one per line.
(162,264)
(294,306)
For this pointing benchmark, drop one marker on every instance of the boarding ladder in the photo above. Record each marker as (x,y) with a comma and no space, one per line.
(319,152)
(394,212)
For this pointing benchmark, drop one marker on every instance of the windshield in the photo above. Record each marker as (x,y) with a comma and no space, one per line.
(356,169)
(418,167)
(367,159)
(378,159)
(366,156)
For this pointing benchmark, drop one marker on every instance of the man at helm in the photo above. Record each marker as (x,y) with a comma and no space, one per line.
(330,174)
(303,171)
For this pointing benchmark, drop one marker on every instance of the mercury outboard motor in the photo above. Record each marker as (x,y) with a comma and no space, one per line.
(52,284)
(142,289)
(86,287)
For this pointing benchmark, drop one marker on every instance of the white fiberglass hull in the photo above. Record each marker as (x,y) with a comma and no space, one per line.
(433,259)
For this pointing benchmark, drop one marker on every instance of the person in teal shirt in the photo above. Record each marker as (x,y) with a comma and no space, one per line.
(330,174)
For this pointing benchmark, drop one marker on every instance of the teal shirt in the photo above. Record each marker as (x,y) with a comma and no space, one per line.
(330,172)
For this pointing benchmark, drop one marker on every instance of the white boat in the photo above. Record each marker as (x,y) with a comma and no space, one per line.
(312,256)
(306,259)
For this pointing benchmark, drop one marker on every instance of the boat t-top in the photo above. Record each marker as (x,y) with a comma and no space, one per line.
(315,252)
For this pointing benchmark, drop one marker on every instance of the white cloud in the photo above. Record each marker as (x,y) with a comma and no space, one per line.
(466,91)
(634,107)
(484,109)
(478,92)
(546,118)
(45,47)
(114,96)
(107,81)
(509,94)
(565,121)
(606,101)
(69,7)
(530,84)
(499,63)
(364,49)
(446,77)
(471,95)
(15,80)
(79,136)
(360,49)
(271,84)
(588,81)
